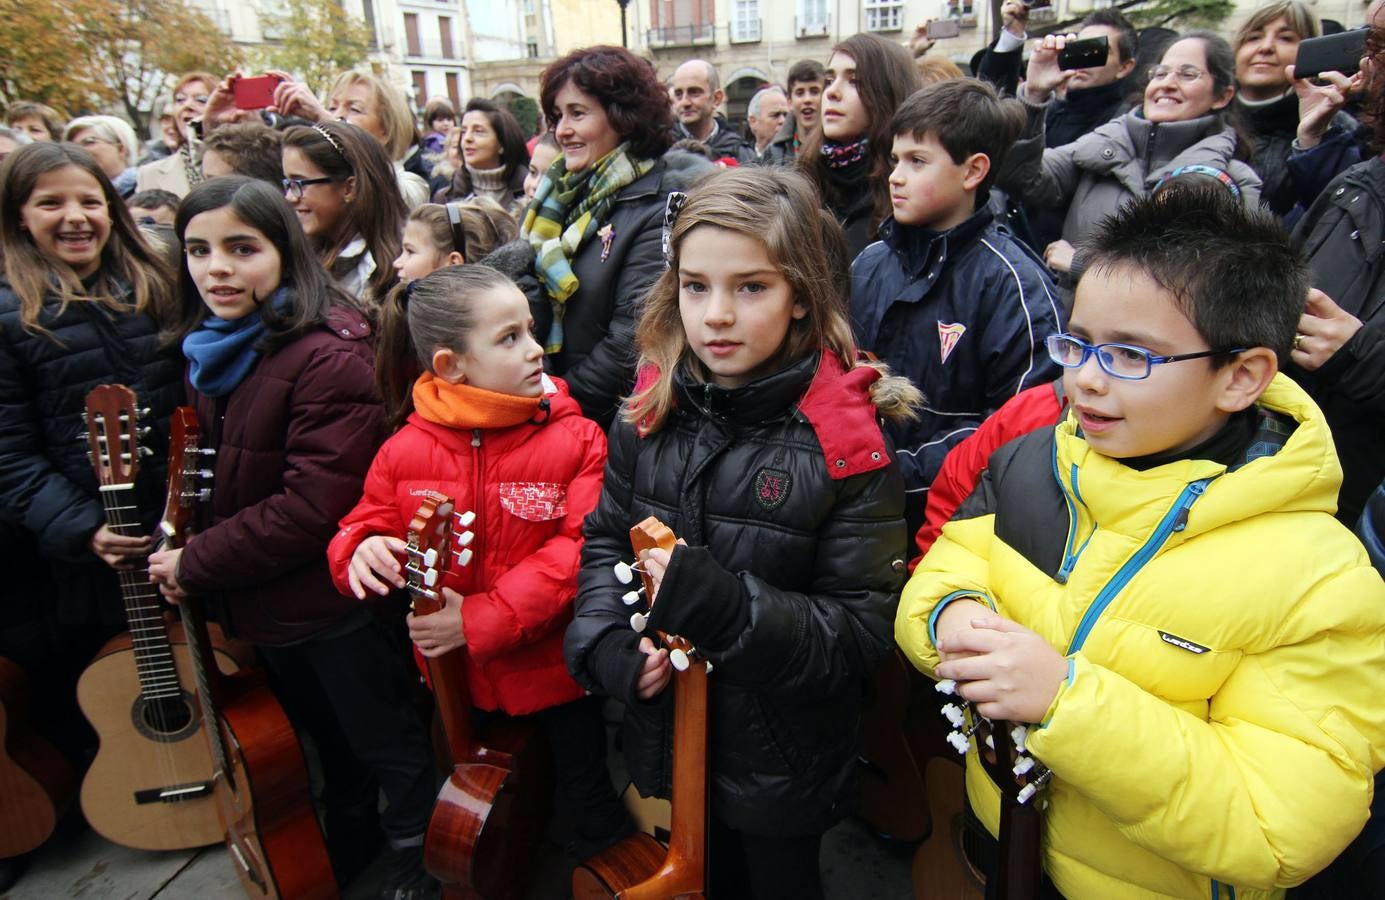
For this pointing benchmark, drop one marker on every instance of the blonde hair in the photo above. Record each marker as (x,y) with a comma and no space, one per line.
(111,129)
(781,209)
(390,108)
(933,69)
(1298,14)
(484,222)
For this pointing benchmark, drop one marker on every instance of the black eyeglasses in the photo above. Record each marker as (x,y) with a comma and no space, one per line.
(293,187)
(1124,361)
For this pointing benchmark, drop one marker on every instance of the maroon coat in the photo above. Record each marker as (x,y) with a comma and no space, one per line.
(294,441)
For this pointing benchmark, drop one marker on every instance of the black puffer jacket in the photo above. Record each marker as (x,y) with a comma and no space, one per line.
(47,484)
(598,356)
(1343,237)
(1274,127)
(792,508)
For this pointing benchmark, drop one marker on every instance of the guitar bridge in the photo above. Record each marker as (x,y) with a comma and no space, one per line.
(175,793)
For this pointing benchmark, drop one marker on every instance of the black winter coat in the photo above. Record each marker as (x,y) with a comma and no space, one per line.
(1343,237)
(792,509)
(47,484)
(598,356)
(294,441)
(1274,127)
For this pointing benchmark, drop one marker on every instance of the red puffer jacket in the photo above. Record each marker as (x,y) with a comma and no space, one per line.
(530,485)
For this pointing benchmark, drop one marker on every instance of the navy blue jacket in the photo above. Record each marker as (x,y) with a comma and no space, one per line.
(963,314)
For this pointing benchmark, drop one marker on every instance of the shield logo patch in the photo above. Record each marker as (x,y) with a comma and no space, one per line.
(772,487)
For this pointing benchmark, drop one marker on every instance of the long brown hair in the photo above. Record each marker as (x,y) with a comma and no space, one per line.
(378,211)
(885,76)
(126,259)
(781,209)
(514,153)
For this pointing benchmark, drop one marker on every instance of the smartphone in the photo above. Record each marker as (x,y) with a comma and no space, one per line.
(1039,4)
(1332,53)
(1084,54)
(255,93)
(943,28)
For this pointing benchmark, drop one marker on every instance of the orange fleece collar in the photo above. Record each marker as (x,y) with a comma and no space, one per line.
(464,406)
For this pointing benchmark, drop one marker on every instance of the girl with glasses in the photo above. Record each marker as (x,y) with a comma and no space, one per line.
(1184,121)
(342,186)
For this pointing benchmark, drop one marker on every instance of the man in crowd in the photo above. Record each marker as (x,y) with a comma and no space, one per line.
(696,95)
(768,110)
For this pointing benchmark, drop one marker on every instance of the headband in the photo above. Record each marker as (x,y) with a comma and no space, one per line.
(333,141)
(454,218)
(1209,171)
(672,206)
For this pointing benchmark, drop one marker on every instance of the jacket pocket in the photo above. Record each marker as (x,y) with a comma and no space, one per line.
(534,501)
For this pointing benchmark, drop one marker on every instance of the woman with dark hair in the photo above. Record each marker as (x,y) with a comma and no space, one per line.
(82,297)
(1184,122)
(282,374)
(342,186)
(848,157)
(596,220)
(494,157)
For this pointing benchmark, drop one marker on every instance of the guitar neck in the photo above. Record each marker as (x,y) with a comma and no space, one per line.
(452,699)
(688,819)
(158,675)
(206,675)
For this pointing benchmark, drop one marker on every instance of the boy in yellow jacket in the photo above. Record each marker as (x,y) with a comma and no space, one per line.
(1158,583)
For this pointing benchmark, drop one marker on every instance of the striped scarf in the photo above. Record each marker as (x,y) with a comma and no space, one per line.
(567,209)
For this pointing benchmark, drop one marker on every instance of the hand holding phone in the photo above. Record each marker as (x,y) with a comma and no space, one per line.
(1084,54)
(1340,52)
(943,28)
(256,92)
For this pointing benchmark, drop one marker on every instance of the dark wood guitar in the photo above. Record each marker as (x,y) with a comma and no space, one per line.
(894,803)
(36,781)
(150,786)
(1001,750)
(639,867)
(489,816)
(259,779)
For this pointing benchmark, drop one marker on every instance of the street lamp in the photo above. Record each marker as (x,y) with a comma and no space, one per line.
(624,39)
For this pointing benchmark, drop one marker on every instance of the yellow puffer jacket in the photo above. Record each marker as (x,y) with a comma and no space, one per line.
(1236,764)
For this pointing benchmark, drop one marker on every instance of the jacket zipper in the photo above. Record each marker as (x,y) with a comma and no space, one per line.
(1070,556)
(476,498)
(1176,519)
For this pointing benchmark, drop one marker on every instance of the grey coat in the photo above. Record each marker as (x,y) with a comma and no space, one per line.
(1123,159)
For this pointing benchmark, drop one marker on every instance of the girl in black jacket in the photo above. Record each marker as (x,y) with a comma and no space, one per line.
(753,433)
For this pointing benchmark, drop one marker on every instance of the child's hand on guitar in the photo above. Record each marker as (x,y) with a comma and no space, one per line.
(657,671)
(441,632)
(163,571)
(1010,672)
(954,619)
(655,563)
(375,566)
(119,551)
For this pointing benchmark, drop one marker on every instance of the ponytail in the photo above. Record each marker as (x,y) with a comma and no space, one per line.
(396,365)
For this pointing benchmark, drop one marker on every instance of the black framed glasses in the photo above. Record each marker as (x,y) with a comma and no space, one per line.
(1124,361)
(293,187)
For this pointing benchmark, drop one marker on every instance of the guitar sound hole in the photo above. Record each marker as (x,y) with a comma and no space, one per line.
(165,719)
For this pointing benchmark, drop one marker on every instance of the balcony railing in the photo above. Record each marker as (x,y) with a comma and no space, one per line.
(681,35)
(814,27)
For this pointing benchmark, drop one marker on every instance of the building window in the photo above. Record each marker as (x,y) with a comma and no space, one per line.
(884,15)
(682,22)
(411,34)
(420,89)
(445,35)
(812,19)
(454,93)
(532,48)
(963,11)
(745,20)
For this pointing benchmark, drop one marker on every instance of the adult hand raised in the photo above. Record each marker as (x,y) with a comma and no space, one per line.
(1322,330)
(1318,103)
(1043,76)
(294,98)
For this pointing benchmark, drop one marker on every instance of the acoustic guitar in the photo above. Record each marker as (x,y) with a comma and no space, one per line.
(150,785)
(489,817)
(639,867)
(894,802)
(36,781)
(259,779)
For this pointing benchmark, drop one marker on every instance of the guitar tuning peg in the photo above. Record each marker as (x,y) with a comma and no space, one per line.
(638,621)
(709,667)
(1018,735)
(463,556)
(143,451)
(1026,792)
(625,573)
(990,742)
(146,411)
(953,713)
(959,742)
(465,519)
(1023,765)
(946,686)
(630,598)
(145,430)
(206,474)
(466,538)
(207,451)
(430,557)
(679,659)
(84,435)
(204,495)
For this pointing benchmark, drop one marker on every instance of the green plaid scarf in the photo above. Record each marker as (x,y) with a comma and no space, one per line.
(567,209)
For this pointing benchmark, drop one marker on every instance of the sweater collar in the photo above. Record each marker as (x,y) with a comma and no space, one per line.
(1279,115)
(464,406)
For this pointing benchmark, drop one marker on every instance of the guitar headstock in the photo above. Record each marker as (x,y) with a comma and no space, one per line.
(648,535)
(113,433)
(1000,747)
(187,483)
(433,542)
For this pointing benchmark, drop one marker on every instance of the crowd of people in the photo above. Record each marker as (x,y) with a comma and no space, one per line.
(1064,383)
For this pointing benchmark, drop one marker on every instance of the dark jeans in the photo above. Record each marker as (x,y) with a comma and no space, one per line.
(576,733)
(353,695)
(755,867)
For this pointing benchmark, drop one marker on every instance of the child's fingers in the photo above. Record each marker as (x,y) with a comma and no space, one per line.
(365,576)
(998,623)
(971,640)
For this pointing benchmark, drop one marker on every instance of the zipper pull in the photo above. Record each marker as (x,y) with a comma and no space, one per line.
(1195,490)
(475,437)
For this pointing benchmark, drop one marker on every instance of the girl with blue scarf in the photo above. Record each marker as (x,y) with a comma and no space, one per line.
(281,371)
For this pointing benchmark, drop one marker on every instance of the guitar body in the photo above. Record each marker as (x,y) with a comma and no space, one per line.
(612,872)
(894,803)
(35,779)
(941,870)
(150,751)
(271,829)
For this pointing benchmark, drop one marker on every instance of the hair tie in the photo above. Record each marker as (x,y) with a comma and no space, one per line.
(333,141)
(1224,177)
(454,218)
(672,207)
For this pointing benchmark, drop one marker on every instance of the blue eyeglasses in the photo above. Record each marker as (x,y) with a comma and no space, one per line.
(1124,361)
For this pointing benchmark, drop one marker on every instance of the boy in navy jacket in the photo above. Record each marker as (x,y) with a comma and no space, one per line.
(947,297)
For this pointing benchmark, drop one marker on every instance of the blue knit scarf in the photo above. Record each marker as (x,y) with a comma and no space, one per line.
(221,353)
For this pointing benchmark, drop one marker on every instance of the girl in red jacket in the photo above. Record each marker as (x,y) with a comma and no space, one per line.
(490,430)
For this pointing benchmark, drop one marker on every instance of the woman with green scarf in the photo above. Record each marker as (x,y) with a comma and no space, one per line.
(595,223)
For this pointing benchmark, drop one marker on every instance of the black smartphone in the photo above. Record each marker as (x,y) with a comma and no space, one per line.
(1339,52)
(1084,54)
